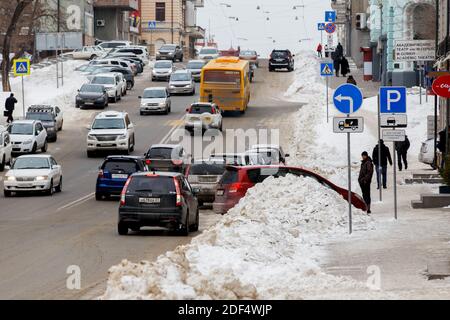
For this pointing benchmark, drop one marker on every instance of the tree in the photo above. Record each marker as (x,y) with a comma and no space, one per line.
(19,7)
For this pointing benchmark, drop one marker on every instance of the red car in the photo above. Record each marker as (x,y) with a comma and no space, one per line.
(237,180)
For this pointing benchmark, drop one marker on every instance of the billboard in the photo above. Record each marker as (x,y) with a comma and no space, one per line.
(59,41)
(415,50)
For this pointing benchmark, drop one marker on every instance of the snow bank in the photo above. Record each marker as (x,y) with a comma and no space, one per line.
(267,247)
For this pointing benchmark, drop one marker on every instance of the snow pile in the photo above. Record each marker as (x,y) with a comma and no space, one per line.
(266,247)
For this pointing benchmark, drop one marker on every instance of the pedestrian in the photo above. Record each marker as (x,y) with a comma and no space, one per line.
(9,108)
(327,51)
(402,153)
(337,65)
(319,50)
(365,178)
(340,50)
(351,80)
(345,67)
(381,164)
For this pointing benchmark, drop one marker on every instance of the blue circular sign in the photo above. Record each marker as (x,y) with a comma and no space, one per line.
(330,27)
(348,98)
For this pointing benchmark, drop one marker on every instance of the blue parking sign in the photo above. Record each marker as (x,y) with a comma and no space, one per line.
(393,100)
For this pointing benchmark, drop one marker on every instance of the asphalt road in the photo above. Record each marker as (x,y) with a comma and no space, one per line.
(40,236)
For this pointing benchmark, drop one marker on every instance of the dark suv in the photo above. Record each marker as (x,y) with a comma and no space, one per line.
(159,199)
(46,116)
(170,52)
(281,59)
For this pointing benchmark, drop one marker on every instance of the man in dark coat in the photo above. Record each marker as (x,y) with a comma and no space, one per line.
(345,67)
(9,107)
(340,50)
(337,64)
(365,178)
(381,164)
(402,148)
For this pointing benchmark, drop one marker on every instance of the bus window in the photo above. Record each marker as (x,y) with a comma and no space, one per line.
(217,76)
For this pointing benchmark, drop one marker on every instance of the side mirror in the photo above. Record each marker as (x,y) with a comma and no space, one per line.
(7,168)
(56,166)
(131,126)
(78,90)
(195,191)
(139,97)
(88,128)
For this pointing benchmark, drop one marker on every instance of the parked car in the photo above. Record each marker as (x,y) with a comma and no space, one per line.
(127,74)
(231,159)
(195,67)
(251,56)
(137,51)
(111,131)
(33,173)
(27,136)
(162,70)
(281,59)
(155,99)
(161,199)
(50,117)
(92,95)
(208,53)
(204,175)
(269,154)
(426,154)
(114,172)
(181,82)
(116,62)
(88,53)
(170,52)
(112,82)
(5,148)
(167,157)
(237,180)
(203,115)
(138,63)
(109,45)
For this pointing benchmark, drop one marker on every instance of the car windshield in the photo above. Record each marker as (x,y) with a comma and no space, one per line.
(209,51)
(161,153)
(21,128)
(230,159)
(279,54)
(168,48)
(208,169)
(199,109)
(103,80)
(121,166)
(195,65)
(31,163)
(111,44)
(248,53)
(153,184)
(108,124)
(155,93)
(180,77)
(163,65)
(101,70)
(91,88)
(43,116)
(263,158)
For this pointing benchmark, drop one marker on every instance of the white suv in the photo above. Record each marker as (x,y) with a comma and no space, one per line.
(5,148)
(203,115)
(27,136)
(111,131)
(113,83)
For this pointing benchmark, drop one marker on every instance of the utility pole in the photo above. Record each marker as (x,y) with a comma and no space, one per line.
(171,27)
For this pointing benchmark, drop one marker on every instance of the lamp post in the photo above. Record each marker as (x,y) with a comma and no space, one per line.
(171,22)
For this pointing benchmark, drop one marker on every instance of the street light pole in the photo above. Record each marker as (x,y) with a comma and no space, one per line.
(171,21)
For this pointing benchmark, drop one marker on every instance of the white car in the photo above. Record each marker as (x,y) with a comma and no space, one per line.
(88,53)
(269,153)
(181,81)
(426,154)
(139,51)
(5,148)
(155,99)
(31,173)
(162,70)
(113,82)
(109,45)
(27,136)
(231,159)
(111,131)
(204,116)
(208,53)
(195,67)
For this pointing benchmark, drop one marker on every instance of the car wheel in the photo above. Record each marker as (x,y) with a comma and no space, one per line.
(59,187)
(55,138)
(136,229)
(193,92)
(44,147)
(93,57)
(7,193)
(181,59)
(115,98)
(129,85)
(141,113)
(129,147)
(195,226)
(33,150)
(167,110)
(90,154)
(134,143)
(50,190)
(184,230)
(122,229)
(98,196)
(60,128)
(2,164)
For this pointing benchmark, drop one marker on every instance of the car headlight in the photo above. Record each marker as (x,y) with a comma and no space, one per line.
(27,141)
(122,137)
(41,178)
(50,129)
(91,137)
(171,53)
(157,52)
(11,178)
(100,99)
(162,104)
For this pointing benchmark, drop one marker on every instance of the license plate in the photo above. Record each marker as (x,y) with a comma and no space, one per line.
(89,103)
(149,200)
(119,176)
(26,185)
(107,145)
(279,60)
(220,192)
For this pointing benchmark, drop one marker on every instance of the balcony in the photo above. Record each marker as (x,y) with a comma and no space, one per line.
(126,5)
(198,3)
(196,32)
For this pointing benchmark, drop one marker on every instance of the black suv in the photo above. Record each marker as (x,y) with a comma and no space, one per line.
(281,59)
(170,52)
(47,117)
(159,199)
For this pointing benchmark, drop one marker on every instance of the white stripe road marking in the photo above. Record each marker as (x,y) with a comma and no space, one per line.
(77,202)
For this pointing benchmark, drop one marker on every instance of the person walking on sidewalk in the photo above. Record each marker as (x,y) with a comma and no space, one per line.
(9,108)
(319,50)
(337,64)
(365,178)
(351,80)
(345,67)
(402,148)
(327,51)
(340,50)
(381,164)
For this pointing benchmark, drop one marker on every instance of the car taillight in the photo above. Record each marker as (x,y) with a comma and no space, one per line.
(178,190)
(100,173)
(124,191)
(177,162)
(148,162)
(235,187)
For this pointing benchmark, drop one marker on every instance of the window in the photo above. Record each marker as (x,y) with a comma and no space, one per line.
(231,77)
(121,166)
(156,185)
(160,12)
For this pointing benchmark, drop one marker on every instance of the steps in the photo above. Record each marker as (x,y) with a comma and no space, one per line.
(431,200)
(421,178)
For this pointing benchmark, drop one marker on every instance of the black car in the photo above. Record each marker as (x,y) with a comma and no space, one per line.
(158,199)
(48,119)
(127,73)
(281,59)
(170,52)
(94,95)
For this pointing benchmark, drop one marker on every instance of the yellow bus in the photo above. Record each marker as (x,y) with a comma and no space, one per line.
(225,81)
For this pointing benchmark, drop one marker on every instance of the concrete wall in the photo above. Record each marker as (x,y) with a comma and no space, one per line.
(110,30)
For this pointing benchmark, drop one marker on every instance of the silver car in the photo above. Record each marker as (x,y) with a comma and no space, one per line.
(155,99)
(162,70)
(195,67)
(181,82)
(204,175)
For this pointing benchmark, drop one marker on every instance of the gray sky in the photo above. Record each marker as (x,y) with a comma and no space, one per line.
(253,25)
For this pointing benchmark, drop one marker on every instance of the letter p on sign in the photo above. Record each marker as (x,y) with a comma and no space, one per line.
(393,100)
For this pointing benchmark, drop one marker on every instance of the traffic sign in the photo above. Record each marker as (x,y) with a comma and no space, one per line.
(348,125)
(330,16)
(330,41)
(441,86)
(394,135)
(393,120)
(392,100)
(326,69)
(321,26)
(348,98)
(330,27)
(152,24)
(21,67)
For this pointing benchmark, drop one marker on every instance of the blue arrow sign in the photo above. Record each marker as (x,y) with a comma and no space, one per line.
(326,69)
(348,98)
(321,26)
(393,100)
(330,16)
(152,24)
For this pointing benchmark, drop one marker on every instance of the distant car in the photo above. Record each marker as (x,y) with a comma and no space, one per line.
(92,95)
(86,69)
(281,59)
(111,131)
(155,99)
(88,53)
(195,67)
(426,154)
(162,70)
(48,117)
(161,199)
(33,173)
(112,82)
(204,116)
(231,159)
(5,148)
(167,157)
(138,63)
(116,62)
(109,45)
(208,53)
(114,172)
(181,82)
(138,51)
(170,52)
(204,175)
(251,56)
(27,136)
(237,180)
(269,154)
(127,74)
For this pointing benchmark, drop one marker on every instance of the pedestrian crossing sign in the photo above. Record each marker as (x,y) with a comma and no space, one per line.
(21,67)
(326,69)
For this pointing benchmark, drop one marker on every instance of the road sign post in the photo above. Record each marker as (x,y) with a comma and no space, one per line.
(326,70)
(21,68)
